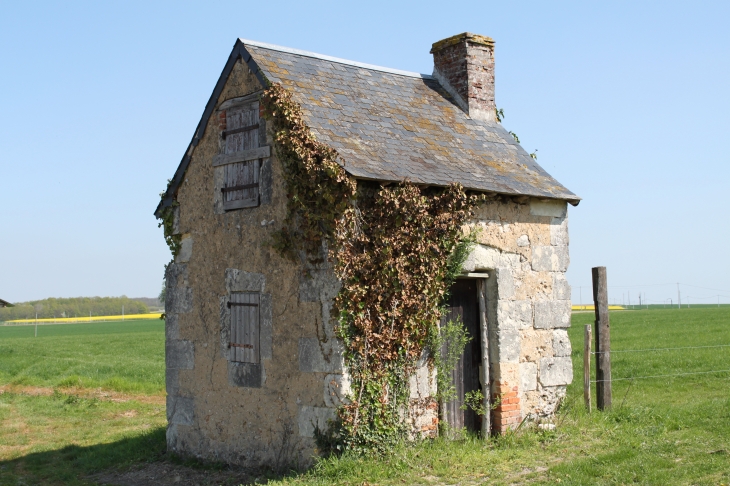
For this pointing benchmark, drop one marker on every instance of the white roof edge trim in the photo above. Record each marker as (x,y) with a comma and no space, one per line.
(347,62)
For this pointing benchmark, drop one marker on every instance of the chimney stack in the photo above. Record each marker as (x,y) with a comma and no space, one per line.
(464,65)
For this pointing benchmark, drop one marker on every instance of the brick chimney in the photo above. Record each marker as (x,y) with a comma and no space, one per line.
(464,65)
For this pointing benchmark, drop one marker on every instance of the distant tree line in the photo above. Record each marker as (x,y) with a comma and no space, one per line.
(73,307)
(150,301)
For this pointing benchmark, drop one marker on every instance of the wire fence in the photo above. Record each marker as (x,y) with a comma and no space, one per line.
(662,349)
(600,382)
(661,376)
(644,350)
(678,296)
(652,362)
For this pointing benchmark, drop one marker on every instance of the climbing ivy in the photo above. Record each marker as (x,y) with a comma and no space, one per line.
(318,188)
(167,222)
(449,340)
(396,256)
(396,249)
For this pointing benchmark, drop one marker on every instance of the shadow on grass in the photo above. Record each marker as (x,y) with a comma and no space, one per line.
(72,464)
(138,460)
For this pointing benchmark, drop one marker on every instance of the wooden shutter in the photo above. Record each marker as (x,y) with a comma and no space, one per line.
(245,328)
(242,185)
(242,179)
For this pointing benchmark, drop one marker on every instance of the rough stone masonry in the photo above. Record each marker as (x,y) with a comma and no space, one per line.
(524,249)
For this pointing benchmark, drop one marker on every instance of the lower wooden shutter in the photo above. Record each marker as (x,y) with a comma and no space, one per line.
(245,328)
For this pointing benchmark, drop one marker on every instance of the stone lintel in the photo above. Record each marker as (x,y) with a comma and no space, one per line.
(241,281)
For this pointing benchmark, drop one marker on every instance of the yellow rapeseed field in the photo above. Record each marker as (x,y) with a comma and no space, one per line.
(590,307)
(60,320)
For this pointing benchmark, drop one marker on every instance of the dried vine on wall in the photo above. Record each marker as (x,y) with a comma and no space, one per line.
(396,250)
(396,255)
(318,188)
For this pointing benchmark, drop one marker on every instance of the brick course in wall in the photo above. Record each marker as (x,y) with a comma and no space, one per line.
(507,414)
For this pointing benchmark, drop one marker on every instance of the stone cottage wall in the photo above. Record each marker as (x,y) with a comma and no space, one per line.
(218,409)
(242,413)
(268,414)
(323,354)
(524,249)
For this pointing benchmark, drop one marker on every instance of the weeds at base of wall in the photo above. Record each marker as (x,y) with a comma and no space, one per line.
(376,424)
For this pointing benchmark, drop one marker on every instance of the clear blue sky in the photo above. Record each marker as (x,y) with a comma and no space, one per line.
(627,103)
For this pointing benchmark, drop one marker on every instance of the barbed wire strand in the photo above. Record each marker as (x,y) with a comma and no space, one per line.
(662,376)
(661,349)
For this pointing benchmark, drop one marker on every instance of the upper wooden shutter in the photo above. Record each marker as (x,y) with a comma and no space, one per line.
(245,328)
(241,188)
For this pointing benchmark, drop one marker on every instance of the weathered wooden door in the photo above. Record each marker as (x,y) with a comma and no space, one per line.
(464,305)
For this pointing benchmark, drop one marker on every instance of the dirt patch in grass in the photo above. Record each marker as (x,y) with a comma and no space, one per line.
(90,393)
(527,474)
(167,474)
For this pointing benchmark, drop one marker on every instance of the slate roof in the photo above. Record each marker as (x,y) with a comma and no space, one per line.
(391,125)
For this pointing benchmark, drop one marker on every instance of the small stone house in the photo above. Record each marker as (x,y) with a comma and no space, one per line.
(253,365)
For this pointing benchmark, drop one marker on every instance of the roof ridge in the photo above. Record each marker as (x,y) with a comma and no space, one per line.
(347,62)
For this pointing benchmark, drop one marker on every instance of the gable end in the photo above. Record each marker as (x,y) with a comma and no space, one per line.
(239,52)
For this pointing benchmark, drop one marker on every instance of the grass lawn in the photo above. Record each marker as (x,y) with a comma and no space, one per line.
(668,430)
(60,438)
(125,356)
(62,414)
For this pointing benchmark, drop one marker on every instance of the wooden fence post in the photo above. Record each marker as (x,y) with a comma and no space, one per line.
(587,367)
(603,339)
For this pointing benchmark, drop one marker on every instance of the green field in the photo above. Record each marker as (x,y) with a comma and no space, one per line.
(694,329)
(125,356)
(666,430)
